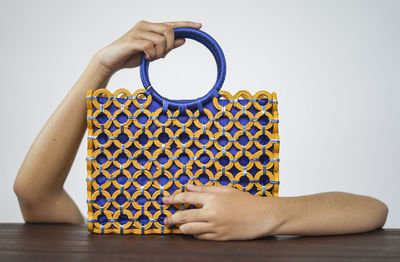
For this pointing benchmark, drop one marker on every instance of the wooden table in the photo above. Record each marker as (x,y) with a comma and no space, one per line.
(52,242)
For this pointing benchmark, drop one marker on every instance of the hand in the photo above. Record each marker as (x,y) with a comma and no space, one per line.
(225,214)
(154,39)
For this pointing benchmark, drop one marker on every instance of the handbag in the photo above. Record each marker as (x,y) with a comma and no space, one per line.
(142,146)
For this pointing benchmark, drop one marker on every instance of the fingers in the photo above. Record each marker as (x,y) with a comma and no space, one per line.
(141,45)
(161,29)
(184,24)
(196,228)
(165,30)
(192,198)
(186,216)
(209,189)
(179,42)
(159,42)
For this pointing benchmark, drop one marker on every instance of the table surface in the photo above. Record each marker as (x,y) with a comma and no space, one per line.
(61,242)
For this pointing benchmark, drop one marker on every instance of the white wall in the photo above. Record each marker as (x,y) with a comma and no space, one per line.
(334,65)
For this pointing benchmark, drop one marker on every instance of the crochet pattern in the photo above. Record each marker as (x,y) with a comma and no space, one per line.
(139,152)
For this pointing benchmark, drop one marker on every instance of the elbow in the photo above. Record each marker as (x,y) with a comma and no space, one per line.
(29,203)
(27,196)
(25,202)
(372,212)
(382,213)
(18,189)
(378,212)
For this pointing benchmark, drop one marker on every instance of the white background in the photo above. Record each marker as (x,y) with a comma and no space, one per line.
(334,65)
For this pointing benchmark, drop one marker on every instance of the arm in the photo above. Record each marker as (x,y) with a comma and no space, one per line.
(230,214)
(330,213)
(40,180)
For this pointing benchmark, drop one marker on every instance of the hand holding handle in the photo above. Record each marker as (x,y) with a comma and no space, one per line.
(212,45)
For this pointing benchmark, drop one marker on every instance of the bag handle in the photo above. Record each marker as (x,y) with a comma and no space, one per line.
(212,45)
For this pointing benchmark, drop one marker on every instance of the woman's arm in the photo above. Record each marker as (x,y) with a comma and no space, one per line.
(230,214)
(40,180)
(330,213)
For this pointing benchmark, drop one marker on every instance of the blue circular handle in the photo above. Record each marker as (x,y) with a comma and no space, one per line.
(212,45)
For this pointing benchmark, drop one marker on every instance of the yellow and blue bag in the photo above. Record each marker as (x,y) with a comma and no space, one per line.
(142,146)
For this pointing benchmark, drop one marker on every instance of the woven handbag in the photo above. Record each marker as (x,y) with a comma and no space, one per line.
(142,146)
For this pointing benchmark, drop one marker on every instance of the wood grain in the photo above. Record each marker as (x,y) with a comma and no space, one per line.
(60,242)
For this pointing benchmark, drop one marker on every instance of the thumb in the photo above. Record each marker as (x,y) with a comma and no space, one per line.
(178,42)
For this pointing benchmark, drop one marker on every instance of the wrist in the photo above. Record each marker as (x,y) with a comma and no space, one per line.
(278,215)
(95,75)
(99,68)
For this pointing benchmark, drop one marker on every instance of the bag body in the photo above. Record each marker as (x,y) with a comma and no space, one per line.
(142,146)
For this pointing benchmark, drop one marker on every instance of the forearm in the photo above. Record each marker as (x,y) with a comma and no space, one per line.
(329,213)
(49,159)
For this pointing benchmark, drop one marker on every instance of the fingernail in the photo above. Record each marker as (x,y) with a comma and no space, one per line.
(165,199)
(165,220)
(191,186)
